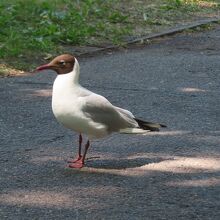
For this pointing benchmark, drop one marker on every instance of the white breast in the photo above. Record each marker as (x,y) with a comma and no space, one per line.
(67,102)
(65,105)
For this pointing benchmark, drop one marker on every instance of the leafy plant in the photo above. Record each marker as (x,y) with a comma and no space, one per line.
(33,28)
(44,24)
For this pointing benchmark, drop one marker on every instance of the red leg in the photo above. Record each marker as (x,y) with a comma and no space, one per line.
(79,151)
(80,163)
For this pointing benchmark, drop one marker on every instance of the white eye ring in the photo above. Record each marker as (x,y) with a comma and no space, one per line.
(62,62)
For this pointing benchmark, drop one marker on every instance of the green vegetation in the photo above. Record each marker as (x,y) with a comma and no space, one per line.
(29,26)
(156,15)
(32,28)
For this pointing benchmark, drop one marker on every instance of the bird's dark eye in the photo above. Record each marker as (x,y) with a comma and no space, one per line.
(62,63)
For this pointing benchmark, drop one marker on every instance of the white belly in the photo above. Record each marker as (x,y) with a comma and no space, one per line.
(70,118)
(68,115)
(66,106)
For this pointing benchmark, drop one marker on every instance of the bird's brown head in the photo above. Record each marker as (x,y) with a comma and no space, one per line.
(62,64)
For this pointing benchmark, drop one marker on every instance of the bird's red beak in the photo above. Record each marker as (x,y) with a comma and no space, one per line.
(43,67)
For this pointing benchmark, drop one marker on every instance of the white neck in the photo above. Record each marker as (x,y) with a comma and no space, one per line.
(74,74)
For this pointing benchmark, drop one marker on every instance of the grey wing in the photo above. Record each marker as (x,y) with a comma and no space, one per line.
(100,110)
(127,114)
(125,111)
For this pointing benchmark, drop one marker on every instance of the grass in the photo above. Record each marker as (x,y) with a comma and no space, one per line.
(31,29)
(35,27)
(156,15)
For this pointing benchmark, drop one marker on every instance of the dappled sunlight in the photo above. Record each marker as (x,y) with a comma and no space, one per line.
(6,70)
(71,198)
(207,4)
(150,156)
(209,182)
(170,164)
(188,89)
(121,172)
(39,199)
(185,165)
(38,92)
(141,164)
(200,3)
(42,92)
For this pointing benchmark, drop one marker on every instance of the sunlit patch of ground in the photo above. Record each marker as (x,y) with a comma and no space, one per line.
(192,90)
(167,164)
(139,164)
(59,200)
(37,198)
(42,93)
(8,71)
(185,165)
(38,92)
(207,4)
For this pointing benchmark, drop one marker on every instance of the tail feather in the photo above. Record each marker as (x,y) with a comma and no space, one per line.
(134,131)
(149,125)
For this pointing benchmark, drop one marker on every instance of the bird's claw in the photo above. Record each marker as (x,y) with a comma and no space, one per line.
(78,164)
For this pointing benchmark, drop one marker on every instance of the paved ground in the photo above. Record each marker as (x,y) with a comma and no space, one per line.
(169,175)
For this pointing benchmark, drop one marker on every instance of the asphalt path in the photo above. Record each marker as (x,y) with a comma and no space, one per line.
(173,174)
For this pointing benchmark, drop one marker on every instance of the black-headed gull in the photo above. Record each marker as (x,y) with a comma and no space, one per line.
(86,112)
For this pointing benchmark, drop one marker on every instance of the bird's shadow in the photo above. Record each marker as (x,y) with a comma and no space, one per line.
(120,163)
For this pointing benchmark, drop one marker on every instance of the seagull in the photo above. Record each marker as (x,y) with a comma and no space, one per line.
(86,112)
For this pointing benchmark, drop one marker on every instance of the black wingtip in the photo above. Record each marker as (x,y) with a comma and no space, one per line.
(149,125)
(163,126)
